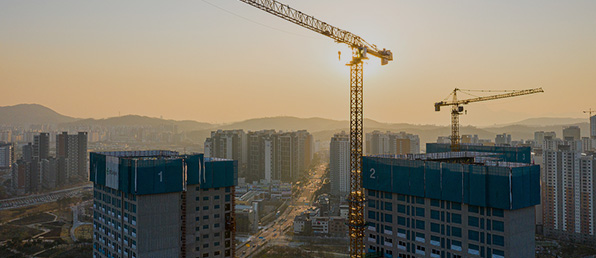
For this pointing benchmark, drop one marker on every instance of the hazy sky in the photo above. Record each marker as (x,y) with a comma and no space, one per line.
(191,60)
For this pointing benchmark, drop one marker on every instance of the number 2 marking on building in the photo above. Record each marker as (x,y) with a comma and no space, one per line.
(372,173)
(160,176)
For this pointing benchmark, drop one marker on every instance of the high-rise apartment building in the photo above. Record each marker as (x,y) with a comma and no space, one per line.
(27,151)
(262,146)
(339,164)
(540,136)
(571,133)
(73,149)
(6,155)
(451,204)
(20,177)
(278,155)
(503,139)
(391,143)
(41,146)
(48,173)
(570,190)
(161,204)
(228,144)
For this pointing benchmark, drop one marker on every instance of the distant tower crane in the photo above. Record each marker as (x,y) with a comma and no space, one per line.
(360,50)
(590,112)
(457,107)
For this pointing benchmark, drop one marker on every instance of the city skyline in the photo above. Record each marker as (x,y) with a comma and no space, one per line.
(167,60)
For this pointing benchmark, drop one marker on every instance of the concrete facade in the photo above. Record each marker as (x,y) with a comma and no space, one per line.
(339,164)
(154,215)
(409,226)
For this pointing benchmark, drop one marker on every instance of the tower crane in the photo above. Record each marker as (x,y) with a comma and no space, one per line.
(457,107)
(360,51)
(590,112)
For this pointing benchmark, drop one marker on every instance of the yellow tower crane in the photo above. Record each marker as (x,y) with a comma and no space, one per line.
(457,107)
(360,50)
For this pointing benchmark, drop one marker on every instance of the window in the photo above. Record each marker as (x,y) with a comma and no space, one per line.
(456,218)
(435,214)
(388,196)
(216,206)
(388,206)
(216,216)
(401,208)
(455,231)
(419,200)
(216,225)
(227,197)
(498,212)
(216,197)
(498,240)
(205,208)
(456,206)
(206,217)
(371,215)
(371,204)
(420,224)
(401,220)
(435,203)
(498,226)
(420,212)
(205,198)
(473,221)
(434,227)
(388,218)
(473,235)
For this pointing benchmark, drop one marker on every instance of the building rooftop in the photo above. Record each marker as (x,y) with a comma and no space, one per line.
(159,171)
(475,178)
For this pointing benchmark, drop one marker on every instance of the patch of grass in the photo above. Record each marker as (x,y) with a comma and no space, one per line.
(8,232)
(76,252)
(33,219)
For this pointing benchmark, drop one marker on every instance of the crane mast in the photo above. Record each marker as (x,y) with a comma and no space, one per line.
(457,108)
(360,50)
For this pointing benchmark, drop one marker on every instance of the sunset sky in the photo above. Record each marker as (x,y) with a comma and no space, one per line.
(191,60)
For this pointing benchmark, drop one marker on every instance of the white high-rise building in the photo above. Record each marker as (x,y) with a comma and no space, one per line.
(569,204)
(339,164)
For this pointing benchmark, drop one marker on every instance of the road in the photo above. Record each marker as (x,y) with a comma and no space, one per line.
(274,233)
(76,209)
(37,199)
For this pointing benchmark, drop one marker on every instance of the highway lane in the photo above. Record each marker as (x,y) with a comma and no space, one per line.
(31,200)
(274,233)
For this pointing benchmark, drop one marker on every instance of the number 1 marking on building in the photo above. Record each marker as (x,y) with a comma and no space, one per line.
(160,176)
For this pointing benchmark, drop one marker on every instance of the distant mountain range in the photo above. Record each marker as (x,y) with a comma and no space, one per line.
(322,128)
(28,114)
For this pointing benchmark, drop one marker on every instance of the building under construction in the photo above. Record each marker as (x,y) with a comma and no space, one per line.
(162,204)
(451,204)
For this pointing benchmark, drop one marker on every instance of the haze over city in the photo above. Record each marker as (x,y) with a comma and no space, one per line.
(286,128)
(220,61)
